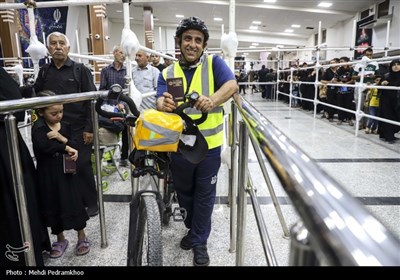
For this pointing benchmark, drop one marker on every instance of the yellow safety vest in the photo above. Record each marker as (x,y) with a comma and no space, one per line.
(203,83)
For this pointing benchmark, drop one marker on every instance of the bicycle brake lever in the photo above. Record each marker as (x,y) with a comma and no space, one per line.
(131,120)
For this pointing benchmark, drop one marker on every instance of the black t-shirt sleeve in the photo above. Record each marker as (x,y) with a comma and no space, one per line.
(87,83)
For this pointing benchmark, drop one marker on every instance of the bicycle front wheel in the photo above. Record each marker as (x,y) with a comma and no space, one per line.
(148,242)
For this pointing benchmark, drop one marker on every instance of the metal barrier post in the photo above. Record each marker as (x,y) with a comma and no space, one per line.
(242,199)
(96,146)
(19,189)
(233,178)
(271,190)
(301,253)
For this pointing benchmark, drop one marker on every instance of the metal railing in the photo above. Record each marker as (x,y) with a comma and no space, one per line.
(338,228)
(11,106)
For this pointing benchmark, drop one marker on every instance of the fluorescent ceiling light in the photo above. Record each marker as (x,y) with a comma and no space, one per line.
(218,19)
(324,4)
(296,25)
(255,44)
(289,30)
(253,27)
(256,22)
(269,1)
(252,47)
(179,16)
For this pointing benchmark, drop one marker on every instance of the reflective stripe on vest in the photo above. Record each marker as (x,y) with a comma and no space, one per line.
(203,83)
(169,136)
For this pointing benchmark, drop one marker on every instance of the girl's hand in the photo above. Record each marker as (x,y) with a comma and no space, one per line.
(73,153)
(56,135)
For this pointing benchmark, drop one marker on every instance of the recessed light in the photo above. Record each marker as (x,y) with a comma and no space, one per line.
(256,22)
(296,25)
(324,4)
(253,27)
(118,11)
(289,30)
(252,47)
(179,16)
(255,44)
(218,19)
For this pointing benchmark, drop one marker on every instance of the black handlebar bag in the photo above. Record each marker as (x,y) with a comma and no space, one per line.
(192,144)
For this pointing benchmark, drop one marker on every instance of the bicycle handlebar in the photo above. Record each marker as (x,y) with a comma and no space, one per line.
(116,93)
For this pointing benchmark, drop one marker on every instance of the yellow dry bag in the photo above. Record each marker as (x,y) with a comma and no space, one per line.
(158,131)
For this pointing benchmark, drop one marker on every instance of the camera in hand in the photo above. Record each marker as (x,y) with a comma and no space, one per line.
(345,77)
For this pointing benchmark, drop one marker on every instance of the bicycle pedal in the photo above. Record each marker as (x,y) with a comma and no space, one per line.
(179,214)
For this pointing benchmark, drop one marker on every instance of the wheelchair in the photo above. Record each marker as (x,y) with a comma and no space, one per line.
(109,149)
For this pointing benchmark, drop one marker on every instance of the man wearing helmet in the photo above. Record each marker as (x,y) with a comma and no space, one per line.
(195,183)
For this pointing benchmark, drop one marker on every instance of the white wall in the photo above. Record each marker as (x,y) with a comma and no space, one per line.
(379,32)
(78,21)
(341,36)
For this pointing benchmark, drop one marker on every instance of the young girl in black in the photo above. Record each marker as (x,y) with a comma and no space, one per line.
(61,201)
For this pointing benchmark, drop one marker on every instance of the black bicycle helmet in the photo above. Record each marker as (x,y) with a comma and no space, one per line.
(192,23)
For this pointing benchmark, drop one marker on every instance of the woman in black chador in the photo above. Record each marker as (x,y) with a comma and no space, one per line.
(389,104)
(11,244)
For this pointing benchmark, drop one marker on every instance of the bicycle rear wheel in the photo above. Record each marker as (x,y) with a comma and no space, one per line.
(147,243)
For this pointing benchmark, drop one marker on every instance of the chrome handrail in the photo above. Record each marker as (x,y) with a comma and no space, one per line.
(341,230)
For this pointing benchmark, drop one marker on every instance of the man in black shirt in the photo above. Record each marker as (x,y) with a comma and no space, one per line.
(62,76)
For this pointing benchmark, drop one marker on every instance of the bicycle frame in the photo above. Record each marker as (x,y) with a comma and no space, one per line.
(147,208)
(150,165)
(151,191)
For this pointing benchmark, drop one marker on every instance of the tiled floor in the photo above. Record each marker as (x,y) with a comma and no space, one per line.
(371,175)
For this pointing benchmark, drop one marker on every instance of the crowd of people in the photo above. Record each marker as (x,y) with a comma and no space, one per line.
(338,90)
(335,90)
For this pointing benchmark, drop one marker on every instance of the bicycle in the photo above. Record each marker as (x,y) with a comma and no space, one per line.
(153,193)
